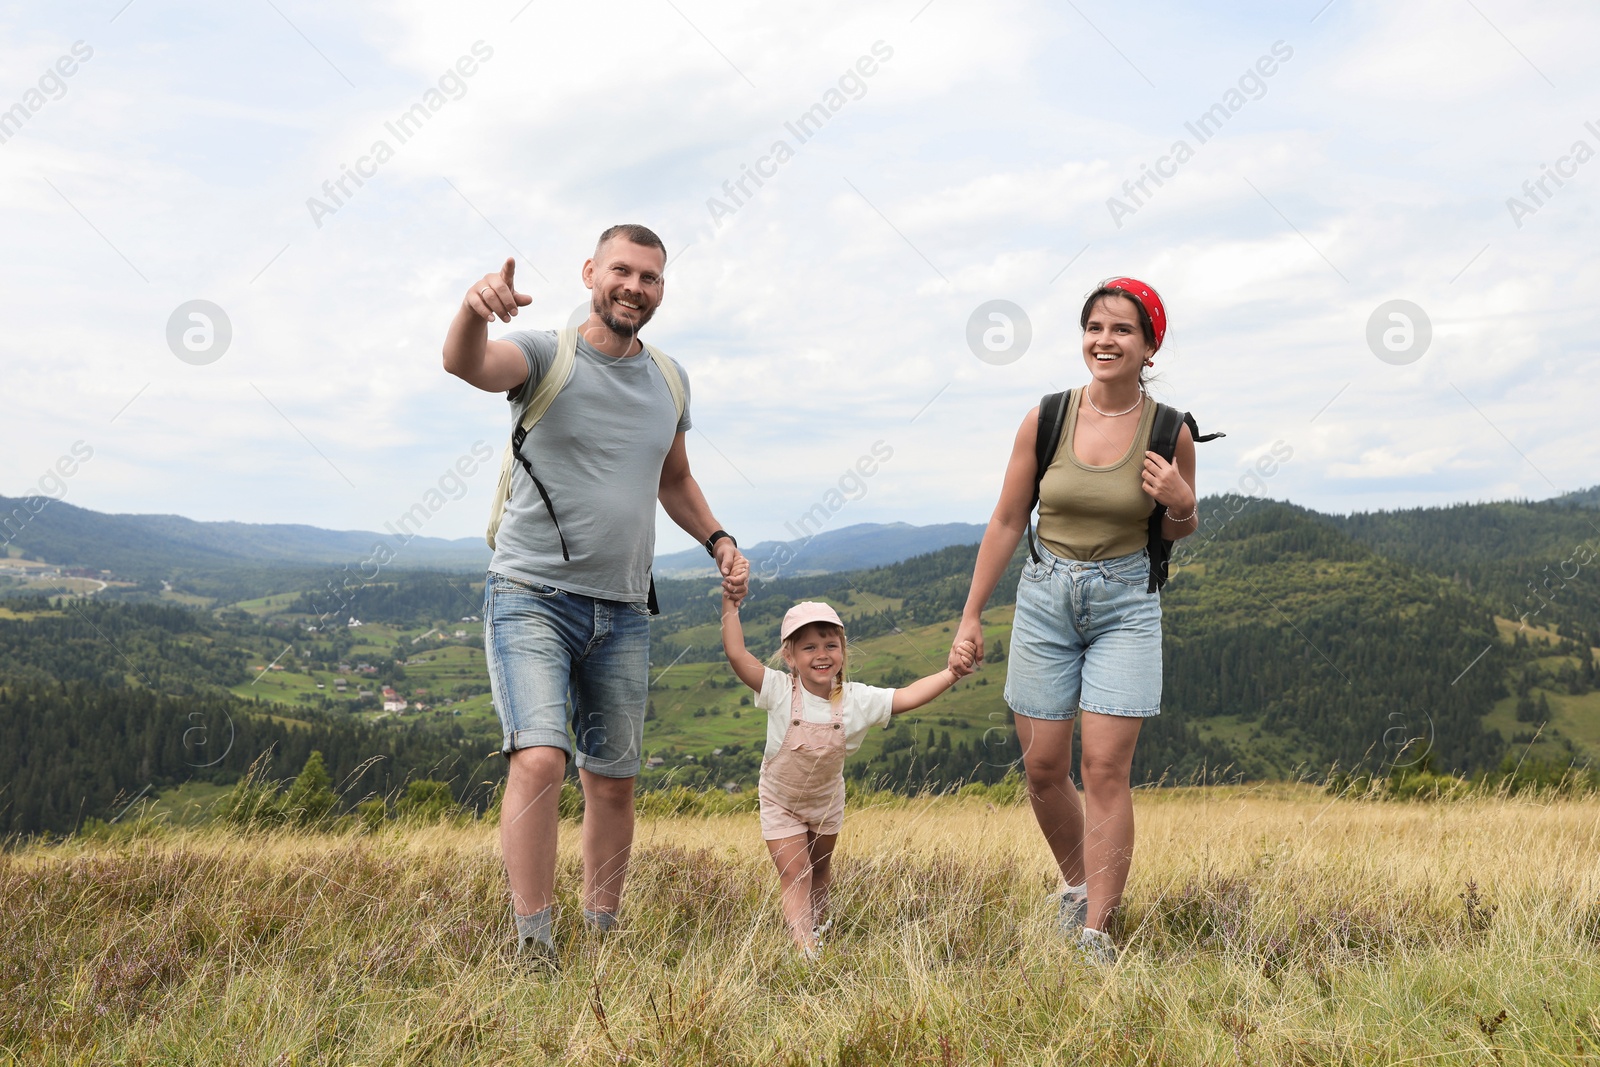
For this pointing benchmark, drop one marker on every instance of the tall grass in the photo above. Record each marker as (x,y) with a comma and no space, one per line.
(1267,926)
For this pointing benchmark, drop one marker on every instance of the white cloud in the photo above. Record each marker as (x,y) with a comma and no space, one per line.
(811,324)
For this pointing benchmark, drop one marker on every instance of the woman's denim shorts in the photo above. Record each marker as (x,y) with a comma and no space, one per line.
(1086,635)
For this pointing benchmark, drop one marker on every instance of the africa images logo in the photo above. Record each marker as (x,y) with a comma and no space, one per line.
(451,85)
(1207,125)
(806,126)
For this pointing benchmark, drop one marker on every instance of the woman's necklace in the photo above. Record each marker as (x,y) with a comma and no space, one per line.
(1112,414)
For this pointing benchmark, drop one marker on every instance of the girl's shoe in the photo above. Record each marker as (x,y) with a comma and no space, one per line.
(822,931)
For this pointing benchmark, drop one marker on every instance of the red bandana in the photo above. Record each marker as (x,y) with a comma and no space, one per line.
(1148,300)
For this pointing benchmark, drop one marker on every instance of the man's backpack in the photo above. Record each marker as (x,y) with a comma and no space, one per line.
(1163,442)
(544,394)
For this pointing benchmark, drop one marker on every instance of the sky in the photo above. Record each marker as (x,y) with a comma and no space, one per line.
(1314,162)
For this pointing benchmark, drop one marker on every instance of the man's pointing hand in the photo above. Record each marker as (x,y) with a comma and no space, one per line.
(496,295)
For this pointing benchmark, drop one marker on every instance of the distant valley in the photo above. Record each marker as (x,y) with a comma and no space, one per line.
(1457,639)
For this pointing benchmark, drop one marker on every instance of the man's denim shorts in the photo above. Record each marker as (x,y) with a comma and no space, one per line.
(1086,635)
(548,650)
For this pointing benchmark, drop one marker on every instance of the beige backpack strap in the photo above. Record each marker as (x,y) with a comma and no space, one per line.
(669,371)
(544,394)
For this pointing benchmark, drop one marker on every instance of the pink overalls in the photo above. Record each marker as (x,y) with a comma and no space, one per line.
(802,787)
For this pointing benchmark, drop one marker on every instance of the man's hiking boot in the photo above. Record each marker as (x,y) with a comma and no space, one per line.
(538,957)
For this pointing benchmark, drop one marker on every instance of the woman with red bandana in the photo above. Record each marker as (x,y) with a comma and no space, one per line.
(1087,633)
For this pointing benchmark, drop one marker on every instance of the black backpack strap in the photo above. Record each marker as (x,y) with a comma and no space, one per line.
(1164,430)
(1164,443)
(518,437)
(1052,417)
(1194,431)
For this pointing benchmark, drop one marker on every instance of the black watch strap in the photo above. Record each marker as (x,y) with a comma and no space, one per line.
(711,542)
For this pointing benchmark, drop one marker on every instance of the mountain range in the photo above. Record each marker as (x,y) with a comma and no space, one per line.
(153,546)
(144,547)
(865,544)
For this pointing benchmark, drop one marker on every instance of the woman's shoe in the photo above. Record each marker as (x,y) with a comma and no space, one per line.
(1074,913)
(1096,948)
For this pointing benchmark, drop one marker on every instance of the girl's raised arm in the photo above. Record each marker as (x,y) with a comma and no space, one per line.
(924,690)
(746,667)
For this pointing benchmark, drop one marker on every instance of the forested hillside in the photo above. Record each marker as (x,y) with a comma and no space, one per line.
(1291,648)
(111,646)
(76,750)
(103,702)
(1330,652)
(1533,560)
(409,599)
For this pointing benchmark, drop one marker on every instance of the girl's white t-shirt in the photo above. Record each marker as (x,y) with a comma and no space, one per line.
(864,706)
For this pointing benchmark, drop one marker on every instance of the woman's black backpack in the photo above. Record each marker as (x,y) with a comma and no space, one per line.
(1163,442)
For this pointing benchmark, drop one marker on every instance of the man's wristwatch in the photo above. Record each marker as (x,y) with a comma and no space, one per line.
(711,542)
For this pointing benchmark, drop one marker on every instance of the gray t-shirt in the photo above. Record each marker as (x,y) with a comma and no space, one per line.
(598,450)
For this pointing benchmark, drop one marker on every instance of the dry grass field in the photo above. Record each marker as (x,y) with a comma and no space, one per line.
(1264,926)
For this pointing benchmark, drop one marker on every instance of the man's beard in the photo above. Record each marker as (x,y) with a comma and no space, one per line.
(617,327)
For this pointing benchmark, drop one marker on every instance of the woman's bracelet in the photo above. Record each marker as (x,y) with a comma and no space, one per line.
(1185,518)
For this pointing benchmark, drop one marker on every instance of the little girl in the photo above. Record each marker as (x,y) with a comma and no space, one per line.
(814,719)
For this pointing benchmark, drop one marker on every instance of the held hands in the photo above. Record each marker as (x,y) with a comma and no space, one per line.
(966,651)
(963,659)
(1164,484)
(735,570)
(495,295)
(923,690)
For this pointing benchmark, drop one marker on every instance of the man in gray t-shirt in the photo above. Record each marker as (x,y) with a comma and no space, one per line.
(566,619)
(599,451)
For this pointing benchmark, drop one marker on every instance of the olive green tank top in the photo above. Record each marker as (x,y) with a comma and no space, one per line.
(1096,513)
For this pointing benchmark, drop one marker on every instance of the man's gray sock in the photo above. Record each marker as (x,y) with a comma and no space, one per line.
(540,927)
(602,921)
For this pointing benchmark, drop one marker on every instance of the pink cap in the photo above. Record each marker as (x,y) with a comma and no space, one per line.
(805,613)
